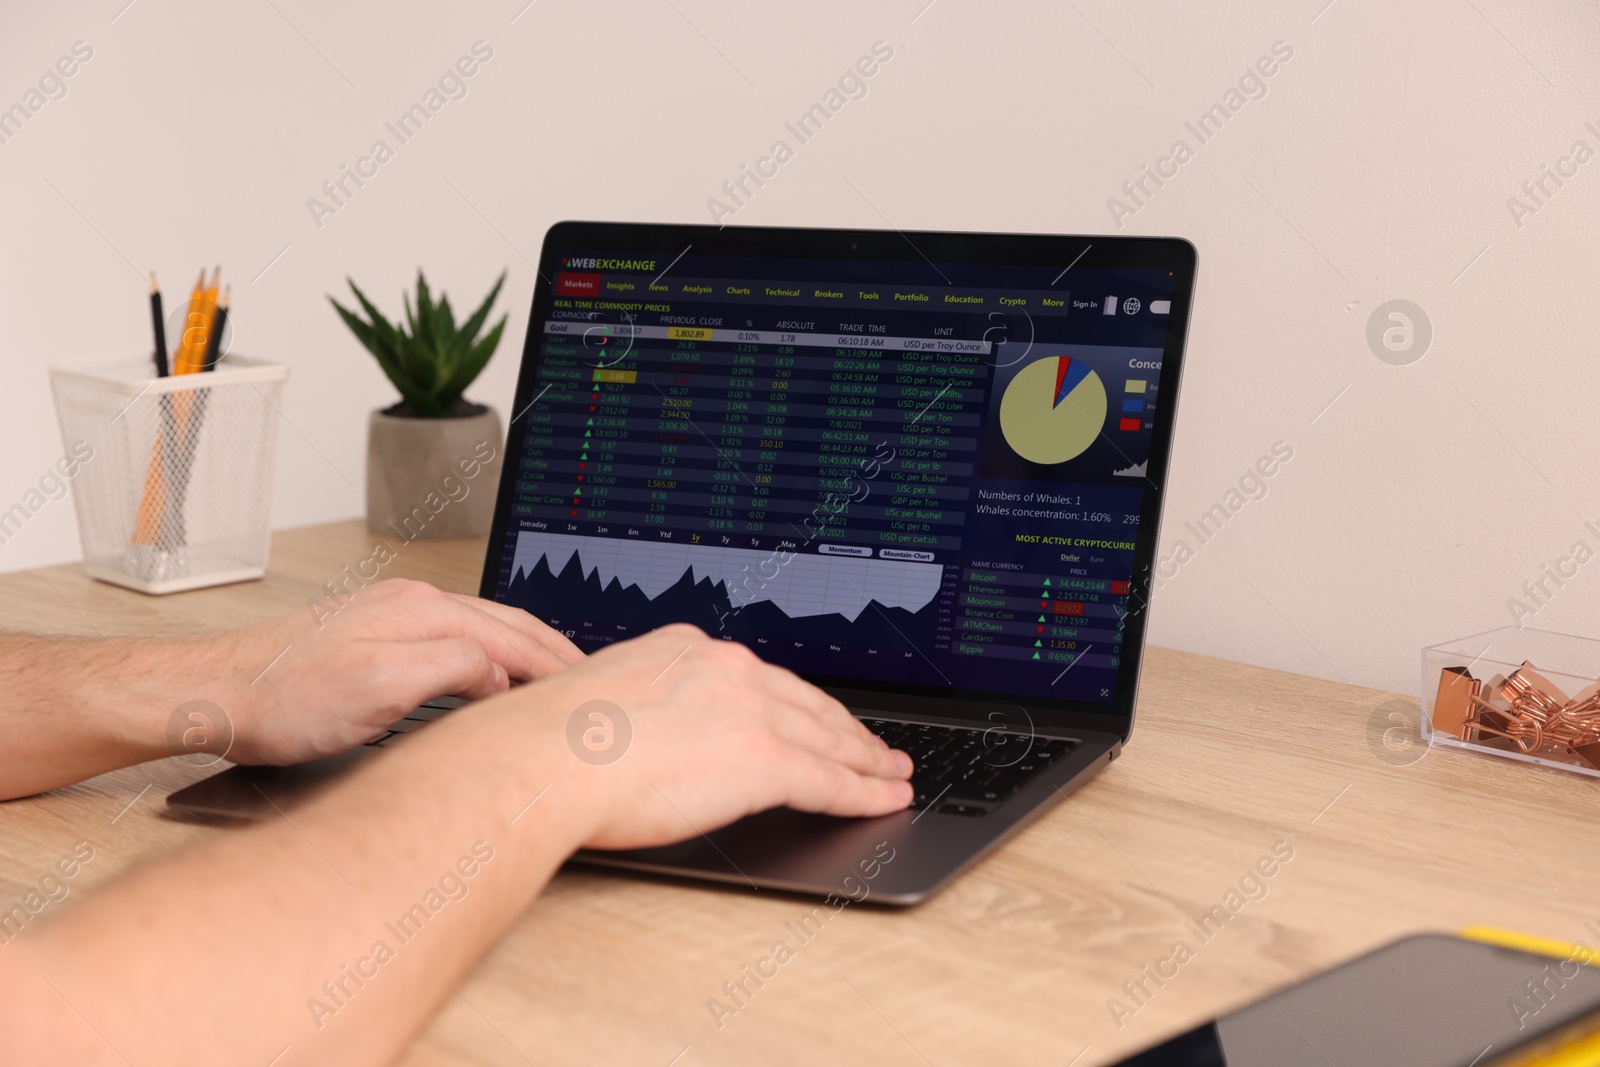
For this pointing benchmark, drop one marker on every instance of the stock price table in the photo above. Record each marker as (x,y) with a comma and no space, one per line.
(751,437)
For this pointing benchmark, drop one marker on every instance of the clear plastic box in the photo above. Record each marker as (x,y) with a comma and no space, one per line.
(177,492)
(1563,664)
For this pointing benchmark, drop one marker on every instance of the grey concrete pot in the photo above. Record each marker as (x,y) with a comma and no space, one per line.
(432,478)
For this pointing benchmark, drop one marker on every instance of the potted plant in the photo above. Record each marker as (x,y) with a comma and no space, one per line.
(433,459)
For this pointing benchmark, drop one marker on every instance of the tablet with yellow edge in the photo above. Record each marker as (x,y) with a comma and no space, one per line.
(1484,998)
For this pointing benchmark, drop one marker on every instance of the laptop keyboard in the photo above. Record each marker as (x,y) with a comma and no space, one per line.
(959,770)
(416,717)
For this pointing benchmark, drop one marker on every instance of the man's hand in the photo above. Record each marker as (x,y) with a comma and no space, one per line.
(715,734)
(302,687)
(292,689)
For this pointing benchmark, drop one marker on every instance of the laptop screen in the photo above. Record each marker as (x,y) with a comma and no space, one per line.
(876,472)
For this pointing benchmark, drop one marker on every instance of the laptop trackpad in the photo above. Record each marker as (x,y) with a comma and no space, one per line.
(781,848)
(258,792)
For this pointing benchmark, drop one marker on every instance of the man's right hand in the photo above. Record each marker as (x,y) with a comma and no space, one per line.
(716,734)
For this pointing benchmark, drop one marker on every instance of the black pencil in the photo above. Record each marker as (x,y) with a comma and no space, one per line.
(158,322)
(218,321)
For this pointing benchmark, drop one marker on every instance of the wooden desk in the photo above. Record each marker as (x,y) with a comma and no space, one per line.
(1016,963)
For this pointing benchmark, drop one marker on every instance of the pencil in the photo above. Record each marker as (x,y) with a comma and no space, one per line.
(194,330)
(215,318)
(158,323)
(150,526)
(166,508)
(214,342)
(208,312)
(152,506)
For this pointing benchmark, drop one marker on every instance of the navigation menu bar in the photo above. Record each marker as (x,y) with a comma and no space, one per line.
(644,288)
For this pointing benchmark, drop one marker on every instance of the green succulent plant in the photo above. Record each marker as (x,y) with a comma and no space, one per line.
(435,362)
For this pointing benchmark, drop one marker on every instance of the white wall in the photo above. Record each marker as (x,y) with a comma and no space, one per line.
(1378,166)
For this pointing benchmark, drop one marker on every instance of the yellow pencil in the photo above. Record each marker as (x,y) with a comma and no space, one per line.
(191,342)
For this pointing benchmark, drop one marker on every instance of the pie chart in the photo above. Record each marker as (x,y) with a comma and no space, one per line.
(1053,410)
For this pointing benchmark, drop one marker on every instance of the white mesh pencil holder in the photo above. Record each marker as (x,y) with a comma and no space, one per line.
(176,491)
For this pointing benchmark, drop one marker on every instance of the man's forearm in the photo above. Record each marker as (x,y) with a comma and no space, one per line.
(284,690)
(77,708)
(342,929)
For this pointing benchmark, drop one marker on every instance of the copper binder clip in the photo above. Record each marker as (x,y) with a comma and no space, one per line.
(1525,708)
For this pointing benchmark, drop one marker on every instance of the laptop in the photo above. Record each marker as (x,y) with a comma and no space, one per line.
(922,470)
